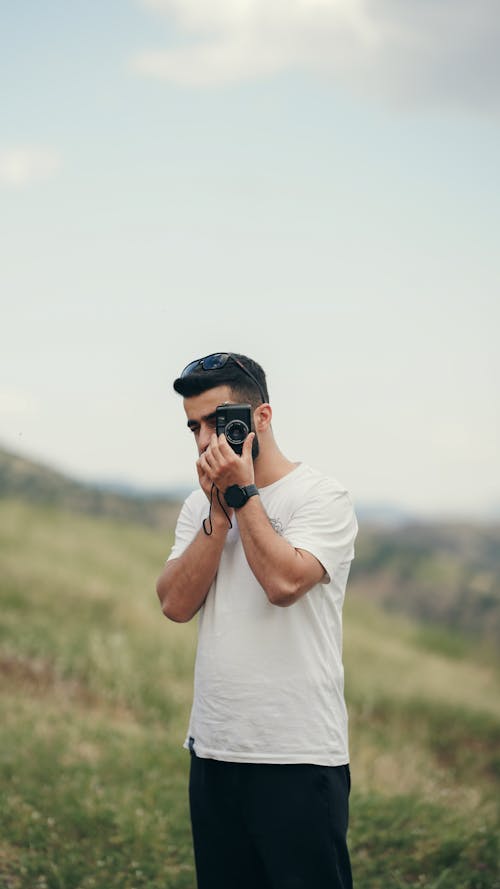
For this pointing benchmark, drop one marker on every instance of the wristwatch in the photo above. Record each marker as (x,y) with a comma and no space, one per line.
(236,496)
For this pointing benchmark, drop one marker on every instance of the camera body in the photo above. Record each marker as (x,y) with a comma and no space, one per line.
(235,422)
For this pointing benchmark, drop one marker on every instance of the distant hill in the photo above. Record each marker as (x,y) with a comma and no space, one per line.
(445,574)
(35,483)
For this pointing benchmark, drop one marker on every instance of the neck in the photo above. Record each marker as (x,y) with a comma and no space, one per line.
(271,465)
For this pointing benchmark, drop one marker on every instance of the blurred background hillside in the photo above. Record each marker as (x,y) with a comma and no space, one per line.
(446,574)
(95,690)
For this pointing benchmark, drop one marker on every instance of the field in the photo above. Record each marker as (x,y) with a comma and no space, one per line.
(95,689)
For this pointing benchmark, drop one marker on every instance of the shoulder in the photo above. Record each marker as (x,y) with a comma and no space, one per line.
(325,501)
(317,485)
(322,519)
(193,504)
(310,496)
(195,498)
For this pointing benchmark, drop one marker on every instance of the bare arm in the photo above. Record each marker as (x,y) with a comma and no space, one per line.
(284,573)
(184,583)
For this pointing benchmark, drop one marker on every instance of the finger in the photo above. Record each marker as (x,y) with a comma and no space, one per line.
(247,446)
(208,456)
(204,465)
(201,468)
(225,448)
(203,478)
(214,448)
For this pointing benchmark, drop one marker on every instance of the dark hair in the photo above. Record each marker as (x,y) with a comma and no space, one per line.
(230,375)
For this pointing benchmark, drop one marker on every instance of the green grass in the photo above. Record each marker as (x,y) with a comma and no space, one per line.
(95,690)
(93,798)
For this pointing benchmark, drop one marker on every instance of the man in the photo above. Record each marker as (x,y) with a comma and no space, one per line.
(262,551)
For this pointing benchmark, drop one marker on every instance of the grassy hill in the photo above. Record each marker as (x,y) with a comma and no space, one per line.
(95,689)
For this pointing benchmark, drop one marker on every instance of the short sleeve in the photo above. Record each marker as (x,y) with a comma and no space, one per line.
(326,526)
(188,525)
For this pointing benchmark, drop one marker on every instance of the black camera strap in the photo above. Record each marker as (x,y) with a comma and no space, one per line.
(208,521)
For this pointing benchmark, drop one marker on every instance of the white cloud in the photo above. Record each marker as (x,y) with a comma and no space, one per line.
(22,165)
(401,49)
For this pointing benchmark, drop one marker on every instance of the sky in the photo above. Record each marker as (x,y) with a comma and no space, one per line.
(311,183)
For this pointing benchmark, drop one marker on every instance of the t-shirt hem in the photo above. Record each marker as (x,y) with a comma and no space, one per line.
(320,759)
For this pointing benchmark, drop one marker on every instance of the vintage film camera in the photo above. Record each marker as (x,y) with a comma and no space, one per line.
(234,421)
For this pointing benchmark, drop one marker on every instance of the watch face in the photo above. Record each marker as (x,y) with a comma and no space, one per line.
(235,496)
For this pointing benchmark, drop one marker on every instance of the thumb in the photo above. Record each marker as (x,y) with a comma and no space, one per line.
(247,446)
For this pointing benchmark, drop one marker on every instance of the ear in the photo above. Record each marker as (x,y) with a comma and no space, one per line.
(262,417)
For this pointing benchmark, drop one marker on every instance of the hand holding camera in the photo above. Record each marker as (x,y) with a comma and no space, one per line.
(228,459)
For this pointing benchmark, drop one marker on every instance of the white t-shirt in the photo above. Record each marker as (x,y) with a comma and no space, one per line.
(269,681)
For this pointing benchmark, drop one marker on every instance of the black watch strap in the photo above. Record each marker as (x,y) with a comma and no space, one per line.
(236,496)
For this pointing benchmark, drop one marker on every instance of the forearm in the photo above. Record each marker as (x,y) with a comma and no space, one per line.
(284,572)
(184,582)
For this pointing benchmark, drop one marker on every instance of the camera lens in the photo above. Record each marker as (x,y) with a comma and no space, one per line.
(236,431)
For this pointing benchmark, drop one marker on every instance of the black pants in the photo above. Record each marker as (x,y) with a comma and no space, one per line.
(269,826)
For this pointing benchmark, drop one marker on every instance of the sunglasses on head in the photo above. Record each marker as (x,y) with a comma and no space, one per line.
(215,362)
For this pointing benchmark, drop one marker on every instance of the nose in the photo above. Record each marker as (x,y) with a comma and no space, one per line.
(204,439)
